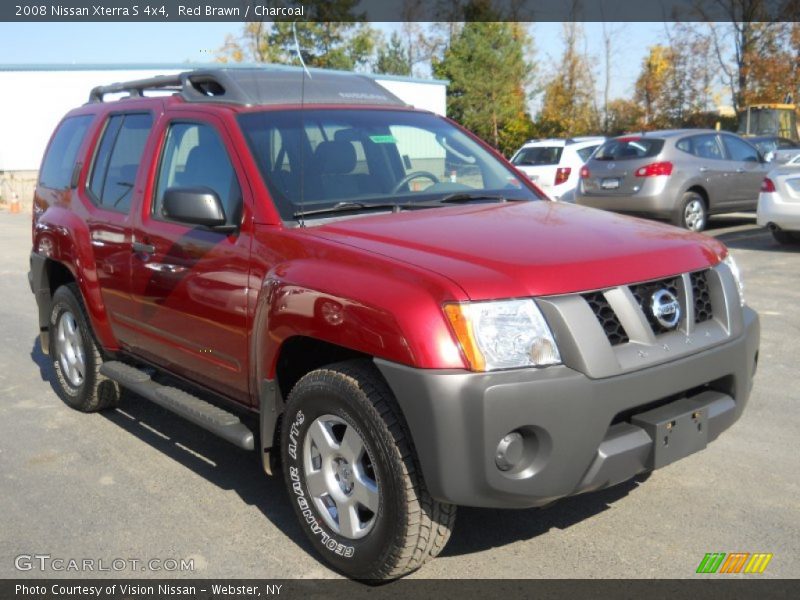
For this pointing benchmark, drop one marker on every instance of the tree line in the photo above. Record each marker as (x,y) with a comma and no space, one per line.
(494,73)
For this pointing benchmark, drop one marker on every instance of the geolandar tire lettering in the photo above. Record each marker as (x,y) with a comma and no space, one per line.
(353,477)
(327,541)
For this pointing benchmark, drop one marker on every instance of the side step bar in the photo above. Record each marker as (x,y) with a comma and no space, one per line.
(212,418)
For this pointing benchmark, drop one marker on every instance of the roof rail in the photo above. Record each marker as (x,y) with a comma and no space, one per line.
(258,85)
(136,87)
(585,138)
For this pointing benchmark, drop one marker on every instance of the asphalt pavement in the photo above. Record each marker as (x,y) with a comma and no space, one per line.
(139,484)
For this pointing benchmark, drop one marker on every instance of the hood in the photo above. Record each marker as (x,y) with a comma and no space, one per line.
(520,249)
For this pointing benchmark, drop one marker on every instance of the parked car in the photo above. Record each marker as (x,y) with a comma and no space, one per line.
(395,347)
(779,202)
(775,149)
(554,165)
(682,175)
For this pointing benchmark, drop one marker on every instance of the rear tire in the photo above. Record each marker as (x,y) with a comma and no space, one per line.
(353,476)
(76,356)
(692,212)
(785,237)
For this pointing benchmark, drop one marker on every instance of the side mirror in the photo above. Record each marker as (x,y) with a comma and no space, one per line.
(195,206)
(769,156)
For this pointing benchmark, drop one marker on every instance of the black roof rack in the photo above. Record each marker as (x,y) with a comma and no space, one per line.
(256,86)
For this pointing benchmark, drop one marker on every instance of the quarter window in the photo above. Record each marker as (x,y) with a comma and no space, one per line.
(586,153)
(195,157)
(117,161)
(59,162)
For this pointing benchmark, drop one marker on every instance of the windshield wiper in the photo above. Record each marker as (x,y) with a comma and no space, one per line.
(465,197)
(342,207)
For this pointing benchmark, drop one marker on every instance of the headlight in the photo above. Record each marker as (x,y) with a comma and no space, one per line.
(737,275)
(503,334)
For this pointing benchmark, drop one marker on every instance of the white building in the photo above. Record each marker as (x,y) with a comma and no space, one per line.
(33,98)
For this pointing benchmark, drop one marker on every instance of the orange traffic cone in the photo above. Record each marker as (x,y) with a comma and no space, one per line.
(15,206)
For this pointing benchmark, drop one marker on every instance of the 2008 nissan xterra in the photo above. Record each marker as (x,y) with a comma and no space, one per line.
(373,299)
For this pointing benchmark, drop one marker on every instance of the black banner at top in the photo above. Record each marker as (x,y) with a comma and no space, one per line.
(398,10)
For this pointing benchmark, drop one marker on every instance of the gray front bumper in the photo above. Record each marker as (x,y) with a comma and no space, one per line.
(583,431)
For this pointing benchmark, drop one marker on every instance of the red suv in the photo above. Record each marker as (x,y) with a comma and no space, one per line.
(374,300)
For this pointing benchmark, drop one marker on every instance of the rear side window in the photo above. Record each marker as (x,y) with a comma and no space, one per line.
(117,160)
(59,162)
(628,148)
(538,156)
(702,146)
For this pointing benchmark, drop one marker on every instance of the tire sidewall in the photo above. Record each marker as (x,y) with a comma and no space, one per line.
(63,301)
(687,198)
(355,558)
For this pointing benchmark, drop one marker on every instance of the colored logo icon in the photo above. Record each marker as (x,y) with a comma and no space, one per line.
(735,562)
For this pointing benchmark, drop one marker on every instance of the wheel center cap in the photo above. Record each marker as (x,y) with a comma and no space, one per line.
(344,475)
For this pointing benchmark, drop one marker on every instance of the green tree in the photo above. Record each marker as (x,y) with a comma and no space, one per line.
(488,72)
(568,106)
(338,38)
(393,57)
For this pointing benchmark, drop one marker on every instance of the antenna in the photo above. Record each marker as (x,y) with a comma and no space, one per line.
(301,218)
(299,54)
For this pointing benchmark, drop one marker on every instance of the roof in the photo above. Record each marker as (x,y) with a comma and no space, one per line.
(33,67)
(587,139)
(669,133)
(260,86)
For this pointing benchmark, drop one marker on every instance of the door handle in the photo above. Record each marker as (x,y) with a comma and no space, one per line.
(703,169)
(165,268)
(740,170)
(143,248)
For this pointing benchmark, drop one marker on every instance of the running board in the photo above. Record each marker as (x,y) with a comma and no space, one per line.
(212,418)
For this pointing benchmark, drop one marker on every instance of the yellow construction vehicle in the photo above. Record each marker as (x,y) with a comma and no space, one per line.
(770,119)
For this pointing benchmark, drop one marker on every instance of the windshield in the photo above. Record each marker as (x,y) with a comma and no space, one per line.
(538,156)
(766,121)
(628,148)
(314,160)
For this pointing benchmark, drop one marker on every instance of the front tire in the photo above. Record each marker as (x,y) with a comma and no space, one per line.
(353,476)
(692,212)
(76,356)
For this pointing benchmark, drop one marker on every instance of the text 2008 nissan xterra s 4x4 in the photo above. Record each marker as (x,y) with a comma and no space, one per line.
(402,318)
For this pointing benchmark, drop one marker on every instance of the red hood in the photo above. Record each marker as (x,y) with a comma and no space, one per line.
(528,249)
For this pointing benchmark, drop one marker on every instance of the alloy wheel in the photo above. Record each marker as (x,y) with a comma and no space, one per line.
(340,476)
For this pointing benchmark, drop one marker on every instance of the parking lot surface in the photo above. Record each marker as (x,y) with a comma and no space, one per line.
(139,483)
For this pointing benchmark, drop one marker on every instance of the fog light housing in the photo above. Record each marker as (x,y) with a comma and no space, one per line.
(509,451)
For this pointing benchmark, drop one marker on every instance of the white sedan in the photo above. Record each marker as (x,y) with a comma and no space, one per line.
(779,202)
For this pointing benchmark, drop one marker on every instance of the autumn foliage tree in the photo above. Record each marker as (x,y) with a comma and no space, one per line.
(675,82)
(568,106)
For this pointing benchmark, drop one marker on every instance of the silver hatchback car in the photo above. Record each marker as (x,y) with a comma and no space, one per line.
(683,175)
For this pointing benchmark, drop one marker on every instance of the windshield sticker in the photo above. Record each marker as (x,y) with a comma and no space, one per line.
(383,139)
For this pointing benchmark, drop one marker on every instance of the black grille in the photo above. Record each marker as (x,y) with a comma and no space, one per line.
(615,332)
(702,299)
(644,291)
